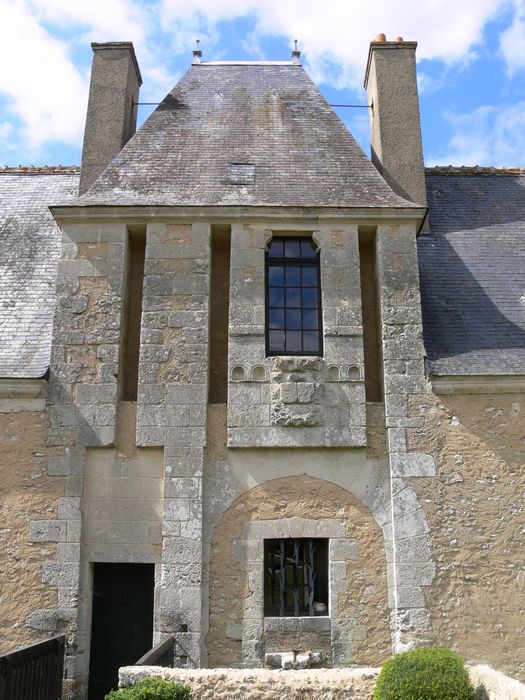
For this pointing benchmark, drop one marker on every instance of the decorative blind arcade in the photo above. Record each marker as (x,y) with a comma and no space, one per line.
(293,298)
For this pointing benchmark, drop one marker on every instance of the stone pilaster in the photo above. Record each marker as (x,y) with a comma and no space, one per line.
(82,405)
(172,404)
(409,551)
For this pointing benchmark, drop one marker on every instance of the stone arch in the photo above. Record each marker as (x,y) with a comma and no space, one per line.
(285,507)
(238,373)
(332,374)
(258,373)
(353,373)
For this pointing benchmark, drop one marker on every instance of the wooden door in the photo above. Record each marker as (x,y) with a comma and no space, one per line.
(121,623)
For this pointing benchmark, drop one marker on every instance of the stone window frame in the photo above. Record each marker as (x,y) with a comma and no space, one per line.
(249,552)
(299,262)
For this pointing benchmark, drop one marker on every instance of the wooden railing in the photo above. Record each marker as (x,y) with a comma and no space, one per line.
(161,655)
(34,672)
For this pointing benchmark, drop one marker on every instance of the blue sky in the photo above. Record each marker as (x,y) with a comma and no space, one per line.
(471,64)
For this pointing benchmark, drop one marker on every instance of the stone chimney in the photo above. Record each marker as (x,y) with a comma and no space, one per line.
(112,113)
(395,129)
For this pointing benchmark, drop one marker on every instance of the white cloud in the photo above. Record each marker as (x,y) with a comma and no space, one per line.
(512,40)
(43,88)
(6,130)
(101,20)
(484,136)
(45,91)
(338,32)
(427,84)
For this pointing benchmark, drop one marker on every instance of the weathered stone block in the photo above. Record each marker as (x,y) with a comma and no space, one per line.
(405,384)
(69,509)
(405,502)
(186,394)
(178,550)
(183,487)
(397,440)
(96,394)
(343,549)
(47,531)
(60,574)
(412,464)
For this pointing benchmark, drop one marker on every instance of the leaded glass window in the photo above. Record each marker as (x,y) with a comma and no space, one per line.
(293,297)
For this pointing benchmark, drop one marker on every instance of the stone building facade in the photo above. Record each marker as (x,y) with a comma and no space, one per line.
(313,471)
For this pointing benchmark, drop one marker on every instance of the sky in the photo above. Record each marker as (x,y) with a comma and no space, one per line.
(471,64)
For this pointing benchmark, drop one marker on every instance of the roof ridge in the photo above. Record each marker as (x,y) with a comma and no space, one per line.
(474,170)
(204,64)
(39,169)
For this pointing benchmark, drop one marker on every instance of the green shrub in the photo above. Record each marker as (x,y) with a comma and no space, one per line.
(426,673)
(152,689)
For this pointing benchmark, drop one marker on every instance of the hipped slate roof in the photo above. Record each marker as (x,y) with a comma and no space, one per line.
(30,244)
(267,115)
(472,266)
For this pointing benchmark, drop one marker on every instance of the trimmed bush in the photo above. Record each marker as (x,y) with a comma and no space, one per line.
(426,673)
(152,689)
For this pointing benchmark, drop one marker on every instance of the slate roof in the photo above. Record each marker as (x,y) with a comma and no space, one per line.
(30,244)
(267,115)
(472,266)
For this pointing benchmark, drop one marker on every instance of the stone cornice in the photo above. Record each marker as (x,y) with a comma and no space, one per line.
(478,384)
(22,395)
(22,388)
(230,214)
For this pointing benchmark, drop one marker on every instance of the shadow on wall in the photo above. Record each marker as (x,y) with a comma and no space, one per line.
(493,421)
(473,276)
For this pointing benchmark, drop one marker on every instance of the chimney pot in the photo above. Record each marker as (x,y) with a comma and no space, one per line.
(197,53)
(380,38)
(398,39)
(296,54)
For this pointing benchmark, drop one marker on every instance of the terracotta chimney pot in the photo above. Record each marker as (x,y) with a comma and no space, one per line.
(398,39)
(380,37)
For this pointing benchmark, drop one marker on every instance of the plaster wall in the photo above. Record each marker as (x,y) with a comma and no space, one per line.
(31,531)
(295,492)
(476,515)
(298,506)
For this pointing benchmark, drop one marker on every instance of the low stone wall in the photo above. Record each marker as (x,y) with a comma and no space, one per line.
(318,684)
(493,685)
(262,684)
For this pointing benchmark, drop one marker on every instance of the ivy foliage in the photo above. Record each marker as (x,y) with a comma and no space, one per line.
(152,689)
(425,673)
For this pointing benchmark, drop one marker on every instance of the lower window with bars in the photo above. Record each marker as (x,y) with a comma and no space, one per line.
(295,577)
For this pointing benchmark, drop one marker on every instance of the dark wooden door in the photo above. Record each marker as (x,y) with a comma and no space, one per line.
(121,623)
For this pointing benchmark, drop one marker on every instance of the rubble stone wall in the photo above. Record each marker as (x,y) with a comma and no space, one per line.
(475,512)
(260,684)
(359,611)
(318,684)
(29,530)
